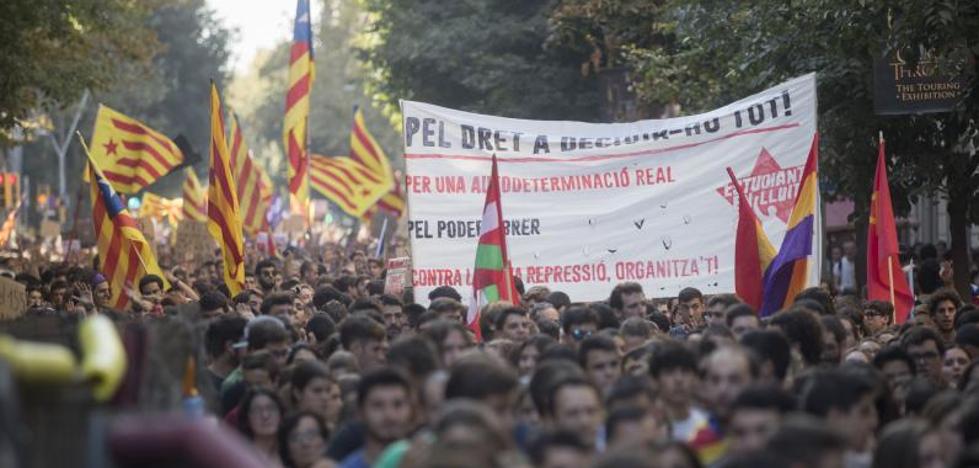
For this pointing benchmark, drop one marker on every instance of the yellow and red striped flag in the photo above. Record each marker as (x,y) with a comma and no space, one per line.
(124,254)
(392,202)
(254,187)
(195,199)
(349,184)
(7,230)
(131,155)
(296,125)
(224,223)
(157,207)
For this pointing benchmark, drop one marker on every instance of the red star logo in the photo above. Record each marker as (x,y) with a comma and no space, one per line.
(769,187)
(110,147)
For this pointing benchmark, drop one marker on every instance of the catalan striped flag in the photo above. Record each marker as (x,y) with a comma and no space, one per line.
(9,224)
(131,155)
(294,130)
(392,202)
(195,199)
(157,207)
(349,184)
(254,187)
(364,148)
(788,273)
(224,222)
(124,254)
(753,252)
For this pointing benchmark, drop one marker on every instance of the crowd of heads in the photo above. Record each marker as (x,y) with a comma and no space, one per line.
(317,366)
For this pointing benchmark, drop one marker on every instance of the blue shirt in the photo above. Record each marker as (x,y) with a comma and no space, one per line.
(355,460)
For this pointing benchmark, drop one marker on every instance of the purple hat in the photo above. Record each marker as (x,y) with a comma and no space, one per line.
(98,279)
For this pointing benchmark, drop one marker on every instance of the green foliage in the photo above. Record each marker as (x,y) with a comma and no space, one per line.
(52,50)
(486,56)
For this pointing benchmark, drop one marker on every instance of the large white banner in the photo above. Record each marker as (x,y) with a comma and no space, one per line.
(588,206)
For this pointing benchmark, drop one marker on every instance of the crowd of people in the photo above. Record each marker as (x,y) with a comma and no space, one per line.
(317,367)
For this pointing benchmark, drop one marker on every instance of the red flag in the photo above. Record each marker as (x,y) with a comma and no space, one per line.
(882,245)
(753,252)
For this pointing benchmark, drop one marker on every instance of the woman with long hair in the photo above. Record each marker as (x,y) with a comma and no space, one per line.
(302,441)
(315,391)
(259,418)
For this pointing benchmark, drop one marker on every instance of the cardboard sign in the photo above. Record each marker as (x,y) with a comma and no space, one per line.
(397,275)
(194,240)
(50,229)
(13,299)
(294,224)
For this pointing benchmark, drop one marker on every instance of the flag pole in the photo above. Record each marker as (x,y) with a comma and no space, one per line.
(380,240)
(890,259)
(508,282)
(890,279)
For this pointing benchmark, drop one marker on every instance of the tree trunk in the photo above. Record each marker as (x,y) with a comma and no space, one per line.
(958,220)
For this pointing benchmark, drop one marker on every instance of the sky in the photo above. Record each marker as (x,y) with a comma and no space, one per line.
(260,23)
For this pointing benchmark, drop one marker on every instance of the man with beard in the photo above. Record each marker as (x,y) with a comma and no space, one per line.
(942,306)
(384,399)
(266,273)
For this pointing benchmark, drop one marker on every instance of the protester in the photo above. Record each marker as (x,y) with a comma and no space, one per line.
(317,367)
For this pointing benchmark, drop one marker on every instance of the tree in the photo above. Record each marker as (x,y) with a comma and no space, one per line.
(726,50)
(52,50)
(487,56)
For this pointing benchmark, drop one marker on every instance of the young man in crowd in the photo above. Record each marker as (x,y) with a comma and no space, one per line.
(513,324)
(599,356)
(385,401)
(674,370)
(366,339)
(628,300)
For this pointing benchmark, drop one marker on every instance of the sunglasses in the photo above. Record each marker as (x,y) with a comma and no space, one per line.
(579,334)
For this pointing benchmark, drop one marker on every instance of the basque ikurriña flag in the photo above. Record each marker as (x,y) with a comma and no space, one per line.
(788,272)
(492,276)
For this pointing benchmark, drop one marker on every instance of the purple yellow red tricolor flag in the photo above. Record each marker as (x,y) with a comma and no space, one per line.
(124,254)
(882,245)
(130,154)
(224,223)
(492,275)
(753,252)
(296,125)
(788,273)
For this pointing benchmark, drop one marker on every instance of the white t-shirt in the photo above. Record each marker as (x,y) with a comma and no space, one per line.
(685,429)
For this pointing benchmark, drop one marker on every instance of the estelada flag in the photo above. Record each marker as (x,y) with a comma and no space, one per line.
(124,255)
(882,245)
(130,154)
